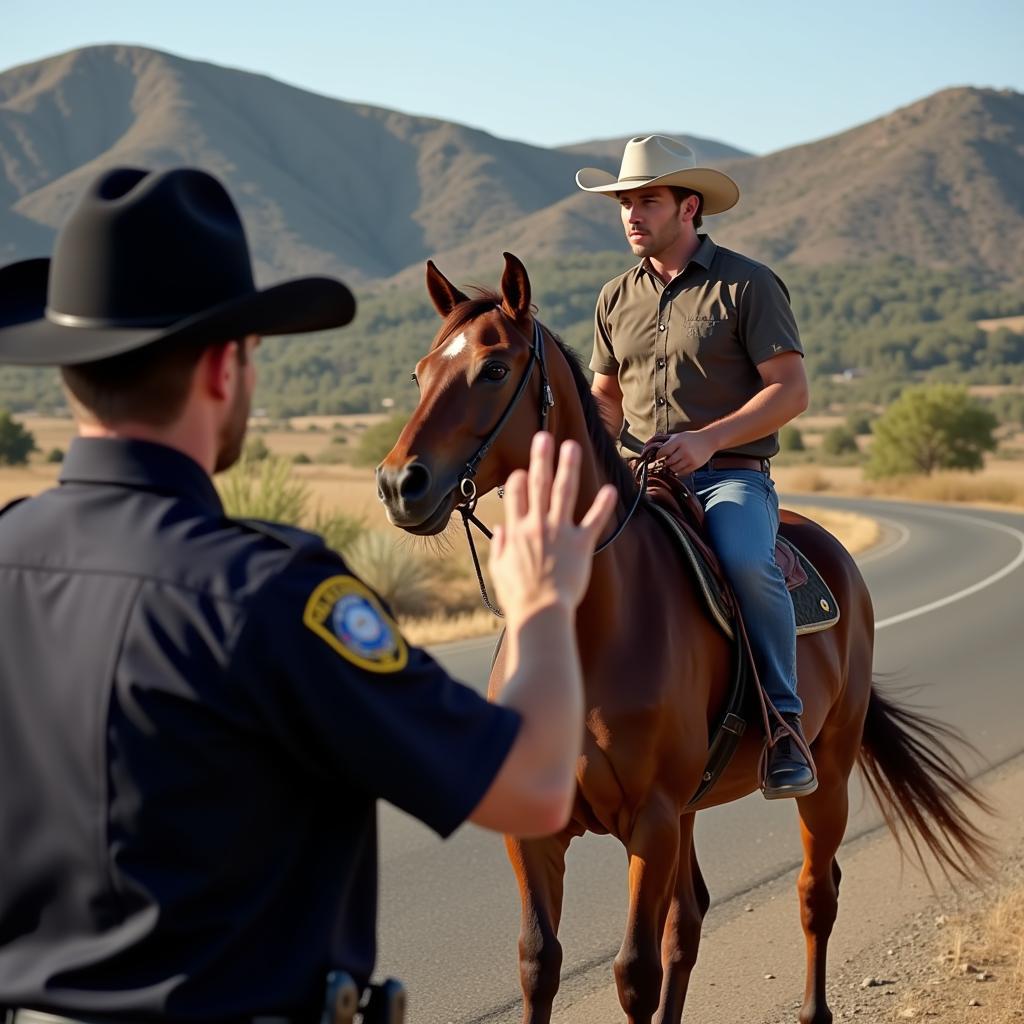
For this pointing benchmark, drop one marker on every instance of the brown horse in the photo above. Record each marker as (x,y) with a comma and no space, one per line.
(656,669)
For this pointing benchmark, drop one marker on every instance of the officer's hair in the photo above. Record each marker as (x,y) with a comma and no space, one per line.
(680,194)
(148,385)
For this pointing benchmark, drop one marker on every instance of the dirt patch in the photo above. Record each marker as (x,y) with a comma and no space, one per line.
(947,964)
(892,930)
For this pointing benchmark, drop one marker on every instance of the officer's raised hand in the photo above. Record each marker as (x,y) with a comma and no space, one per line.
(540,556)
(540,563)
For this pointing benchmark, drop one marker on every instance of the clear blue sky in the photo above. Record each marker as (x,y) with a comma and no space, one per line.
(759,75)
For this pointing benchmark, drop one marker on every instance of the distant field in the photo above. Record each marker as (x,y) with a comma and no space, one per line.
(1011,323)
(350,490)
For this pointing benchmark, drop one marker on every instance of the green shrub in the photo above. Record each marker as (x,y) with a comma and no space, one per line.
(839,440)
(332,454)
(378,440)
(266,489)
(859,423)
(256,449)
(55,455)
(937,426)
(16,443)
(791,440)
(338,529)
(403,577)
(301,459)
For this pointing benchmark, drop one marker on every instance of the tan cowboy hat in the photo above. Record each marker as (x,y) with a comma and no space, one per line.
(659,160)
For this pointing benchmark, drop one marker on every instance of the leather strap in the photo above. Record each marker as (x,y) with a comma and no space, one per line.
(737,462)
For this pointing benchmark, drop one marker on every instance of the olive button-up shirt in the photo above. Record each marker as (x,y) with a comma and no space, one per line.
(686,353)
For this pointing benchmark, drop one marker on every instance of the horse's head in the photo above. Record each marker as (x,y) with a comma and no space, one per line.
(478,406)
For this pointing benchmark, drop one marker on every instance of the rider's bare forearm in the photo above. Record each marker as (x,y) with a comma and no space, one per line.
(766,412)
(611,413)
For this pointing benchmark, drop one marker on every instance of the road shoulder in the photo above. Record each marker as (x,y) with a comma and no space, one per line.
(751,964)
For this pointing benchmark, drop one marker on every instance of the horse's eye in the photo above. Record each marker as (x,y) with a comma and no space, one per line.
(495,371)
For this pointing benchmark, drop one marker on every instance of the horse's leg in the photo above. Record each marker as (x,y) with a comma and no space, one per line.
(823,817)
(682,930)
(539,865)
(653,850)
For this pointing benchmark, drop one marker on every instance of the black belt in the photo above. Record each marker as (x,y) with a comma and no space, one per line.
(737,462)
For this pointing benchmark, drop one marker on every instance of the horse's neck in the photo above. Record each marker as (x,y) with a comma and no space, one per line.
(610,567)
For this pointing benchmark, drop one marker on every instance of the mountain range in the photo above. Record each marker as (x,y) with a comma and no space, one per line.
(329,186)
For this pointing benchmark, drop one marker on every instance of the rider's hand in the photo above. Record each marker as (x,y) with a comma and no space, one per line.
(540,557)
(685,452)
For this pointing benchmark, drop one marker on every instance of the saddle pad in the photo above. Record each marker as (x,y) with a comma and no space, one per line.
(815,606)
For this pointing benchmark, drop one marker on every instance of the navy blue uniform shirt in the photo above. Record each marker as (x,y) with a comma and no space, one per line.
(197,716)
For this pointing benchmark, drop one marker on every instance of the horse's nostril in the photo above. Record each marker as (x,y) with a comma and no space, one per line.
(414,481)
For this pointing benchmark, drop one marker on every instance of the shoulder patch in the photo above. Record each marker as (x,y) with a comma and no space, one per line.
(347,614)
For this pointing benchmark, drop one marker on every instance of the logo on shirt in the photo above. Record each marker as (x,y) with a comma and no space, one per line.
(347,614)
(701,325)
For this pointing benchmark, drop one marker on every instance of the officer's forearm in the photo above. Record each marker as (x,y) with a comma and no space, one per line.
(534,789)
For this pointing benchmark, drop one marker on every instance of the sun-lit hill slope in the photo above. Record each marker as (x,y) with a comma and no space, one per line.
(331,186)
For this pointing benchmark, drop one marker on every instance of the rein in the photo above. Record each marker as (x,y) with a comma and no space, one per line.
(467,486)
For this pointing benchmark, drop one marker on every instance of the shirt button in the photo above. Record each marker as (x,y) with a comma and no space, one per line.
(661,364)
(661,327)
(661,401)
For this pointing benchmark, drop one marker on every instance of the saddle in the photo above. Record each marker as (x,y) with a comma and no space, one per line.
(682,515)
(678,510)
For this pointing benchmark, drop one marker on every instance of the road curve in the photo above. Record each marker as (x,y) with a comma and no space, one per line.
(948,587)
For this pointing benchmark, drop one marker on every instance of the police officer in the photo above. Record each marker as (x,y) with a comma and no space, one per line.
(198,714)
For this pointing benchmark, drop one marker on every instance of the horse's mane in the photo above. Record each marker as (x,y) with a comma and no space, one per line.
(484,300)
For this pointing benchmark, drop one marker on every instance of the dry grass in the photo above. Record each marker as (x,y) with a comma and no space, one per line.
(856,533)
(353,492)
(978,976)
(1001,483)
(440,629)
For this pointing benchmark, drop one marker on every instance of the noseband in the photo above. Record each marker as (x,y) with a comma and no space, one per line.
(467,485)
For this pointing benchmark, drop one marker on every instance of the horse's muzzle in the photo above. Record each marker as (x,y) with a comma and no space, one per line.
(410,497)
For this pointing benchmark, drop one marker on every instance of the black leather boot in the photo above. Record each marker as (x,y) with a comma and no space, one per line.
(789,772)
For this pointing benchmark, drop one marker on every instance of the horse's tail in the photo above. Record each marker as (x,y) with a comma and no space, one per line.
(916,778)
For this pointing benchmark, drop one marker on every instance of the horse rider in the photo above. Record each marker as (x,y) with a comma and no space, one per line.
(700,343)
(198,714)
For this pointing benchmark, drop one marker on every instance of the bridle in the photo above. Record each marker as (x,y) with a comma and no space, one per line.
(467,485)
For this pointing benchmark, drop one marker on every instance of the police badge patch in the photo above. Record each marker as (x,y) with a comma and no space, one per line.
(346,613)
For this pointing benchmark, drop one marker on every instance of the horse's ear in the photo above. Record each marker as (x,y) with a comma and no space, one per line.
(515,288)
(443,293)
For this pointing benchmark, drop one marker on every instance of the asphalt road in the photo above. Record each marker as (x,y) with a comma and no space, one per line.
(948,590)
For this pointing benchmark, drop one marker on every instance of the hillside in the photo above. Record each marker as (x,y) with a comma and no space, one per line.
(939,182)
(895,237)
(323,185)
(368,193)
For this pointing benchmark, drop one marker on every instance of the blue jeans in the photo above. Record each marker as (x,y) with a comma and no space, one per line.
(741,516)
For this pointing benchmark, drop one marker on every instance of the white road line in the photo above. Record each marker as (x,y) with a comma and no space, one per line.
(932,606)
(889,548)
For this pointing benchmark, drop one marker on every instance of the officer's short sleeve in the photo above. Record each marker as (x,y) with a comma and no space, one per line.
(603,359)
(339,688)
(767,325)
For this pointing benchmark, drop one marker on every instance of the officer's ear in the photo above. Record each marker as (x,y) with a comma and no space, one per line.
(220,367)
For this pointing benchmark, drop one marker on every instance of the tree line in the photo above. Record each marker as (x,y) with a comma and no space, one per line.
(869,329)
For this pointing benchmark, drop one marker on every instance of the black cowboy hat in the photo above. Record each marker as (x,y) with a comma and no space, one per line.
(151,256)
